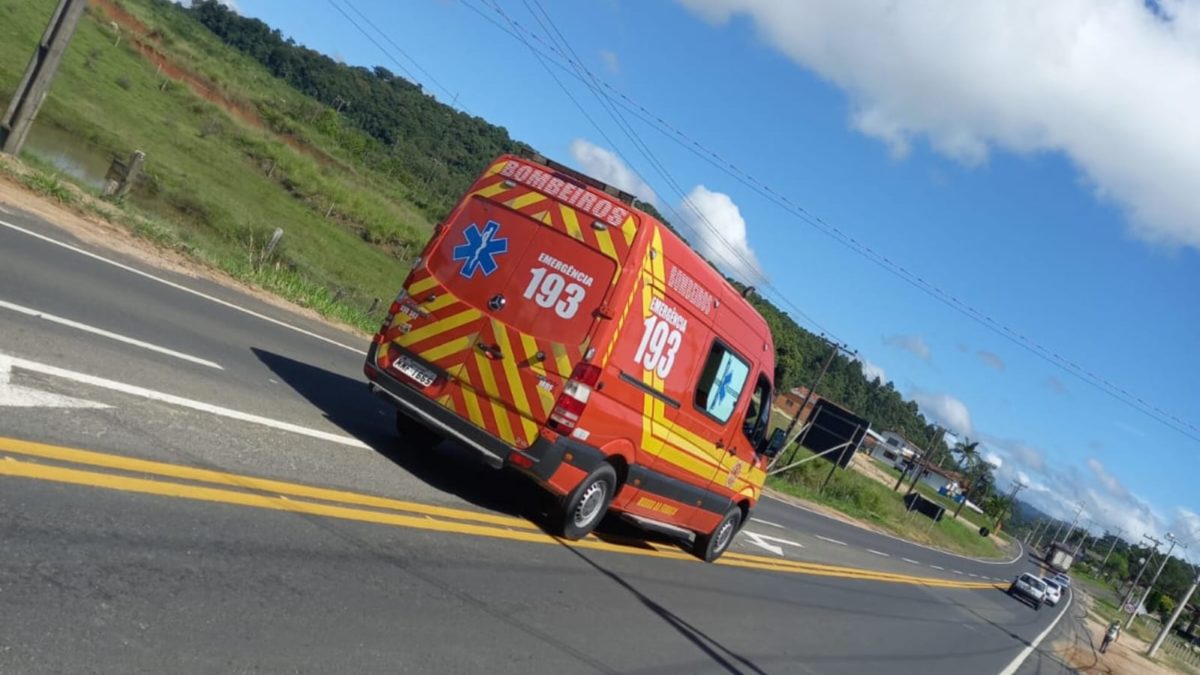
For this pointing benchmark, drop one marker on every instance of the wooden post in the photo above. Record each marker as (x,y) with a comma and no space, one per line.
(131,174)
(35,84)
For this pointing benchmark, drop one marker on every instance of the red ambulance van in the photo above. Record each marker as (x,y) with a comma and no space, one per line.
(556,329)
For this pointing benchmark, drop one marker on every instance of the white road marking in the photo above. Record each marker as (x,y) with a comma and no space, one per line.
(766,522)
(910,560)
(1016,663)
(973,575)
(180,287)
(957,572)
(16,396)
(4,210)
(171,399)
(871,550)
(832,541)
(28,311)
(938,567)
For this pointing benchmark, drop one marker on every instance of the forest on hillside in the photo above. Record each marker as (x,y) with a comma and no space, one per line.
(424,142)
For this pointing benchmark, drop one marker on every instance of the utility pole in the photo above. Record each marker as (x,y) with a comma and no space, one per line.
(1150,586)
(1012,496)
(1033,531)
(1166,629)
(35,84)
(1112,546)
(1084,535)
(937,439)
(833,352)
(1136,579)
(1074,521)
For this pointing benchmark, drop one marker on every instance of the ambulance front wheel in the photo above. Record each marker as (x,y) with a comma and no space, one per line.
(415,434)
(585,506)
(709,547)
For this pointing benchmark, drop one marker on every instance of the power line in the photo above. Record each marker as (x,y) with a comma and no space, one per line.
(716,160)
(451,96)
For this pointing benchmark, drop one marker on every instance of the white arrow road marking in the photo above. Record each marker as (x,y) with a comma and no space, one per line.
(768,542)
(171,399)
(16,396)
(28,311)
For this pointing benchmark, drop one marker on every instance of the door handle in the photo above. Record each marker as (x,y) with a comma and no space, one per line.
(491,351)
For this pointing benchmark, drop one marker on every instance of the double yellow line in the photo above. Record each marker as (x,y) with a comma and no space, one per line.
(141,476)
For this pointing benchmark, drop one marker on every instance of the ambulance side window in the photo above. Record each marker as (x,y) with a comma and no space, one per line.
(758,413)
(721,383)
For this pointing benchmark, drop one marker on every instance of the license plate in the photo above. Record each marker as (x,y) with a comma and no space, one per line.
(417,372)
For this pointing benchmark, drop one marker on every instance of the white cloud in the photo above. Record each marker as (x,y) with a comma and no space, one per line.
(872,371)
(610,60)
(1106,479)
(712,222)
(945,410)
(714,225)
(993,458)
(914,344)
(992,360)
(1111,84)
(604,164)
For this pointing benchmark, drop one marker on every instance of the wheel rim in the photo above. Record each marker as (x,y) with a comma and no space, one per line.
(724,535)
(590,504)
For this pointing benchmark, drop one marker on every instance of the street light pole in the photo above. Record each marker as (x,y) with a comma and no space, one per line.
(1012,496)
(1166,629)
(1074,521)
(1150,586)
(1082,539)
(1136,579)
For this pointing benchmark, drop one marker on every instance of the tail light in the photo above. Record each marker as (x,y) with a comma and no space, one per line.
(576,392)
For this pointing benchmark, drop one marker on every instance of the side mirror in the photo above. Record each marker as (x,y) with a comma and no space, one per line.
(774,443)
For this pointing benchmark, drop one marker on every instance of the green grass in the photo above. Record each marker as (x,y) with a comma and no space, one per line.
(869,500)
(216,186)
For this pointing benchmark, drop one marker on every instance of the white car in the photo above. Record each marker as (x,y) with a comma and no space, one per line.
(1029,588)
(1053,591)
(1062,579)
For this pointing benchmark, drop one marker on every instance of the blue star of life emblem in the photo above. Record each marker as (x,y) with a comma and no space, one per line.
(480,250)
(724,387)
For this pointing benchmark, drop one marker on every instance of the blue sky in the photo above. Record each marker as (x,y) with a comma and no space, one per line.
(1043,182)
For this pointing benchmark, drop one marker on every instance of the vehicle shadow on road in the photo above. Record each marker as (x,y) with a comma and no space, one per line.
(720,654)
(447,467)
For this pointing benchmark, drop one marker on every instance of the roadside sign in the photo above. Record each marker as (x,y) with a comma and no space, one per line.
(1130,609)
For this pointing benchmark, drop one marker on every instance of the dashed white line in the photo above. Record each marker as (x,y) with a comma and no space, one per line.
(766,522)
(185,289)
(973,575)
(29,311)
(832,541)
(958,572)
(871,550)
(938,567)
(910,560)
(171,399)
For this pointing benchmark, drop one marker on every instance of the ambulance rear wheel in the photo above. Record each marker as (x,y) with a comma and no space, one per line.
(415,434)
(709,547)
(584,508)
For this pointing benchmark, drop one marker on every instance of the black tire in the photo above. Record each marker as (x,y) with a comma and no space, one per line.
(583,509)
(1012,589)
(709,547)
(1037,606)
(414,433)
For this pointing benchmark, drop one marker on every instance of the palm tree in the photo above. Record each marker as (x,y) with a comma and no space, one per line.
(969,461)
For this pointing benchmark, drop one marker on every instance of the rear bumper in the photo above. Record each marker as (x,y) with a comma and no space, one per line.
(421,408)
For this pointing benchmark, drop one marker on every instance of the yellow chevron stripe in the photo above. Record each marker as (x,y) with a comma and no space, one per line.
(440,302)
(571,221)
(490,191)
(503,428)
(527,199)
(447,348)
(543,217)
(429,330)
(495,168)
(474,412)
(530,347)
(561,360)
(509,365)
(606,244)
(628,229)
(423,285)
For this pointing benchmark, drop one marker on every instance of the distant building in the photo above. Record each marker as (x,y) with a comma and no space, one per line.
(897,449)
(789,402)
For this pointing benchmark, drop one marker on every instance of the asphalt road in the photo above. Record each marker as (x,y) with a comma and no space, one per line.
(129,557)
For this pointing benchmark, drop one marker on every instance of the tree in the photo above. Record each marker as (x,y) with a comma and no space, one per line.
(969,461)
(1117,566)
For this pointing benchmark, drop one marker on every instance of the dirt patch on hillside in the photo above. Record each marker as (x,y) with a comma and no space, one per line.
(142,37)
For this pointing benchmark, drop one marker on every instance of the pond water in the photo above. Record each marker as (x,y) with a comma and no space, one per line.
(68,154)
